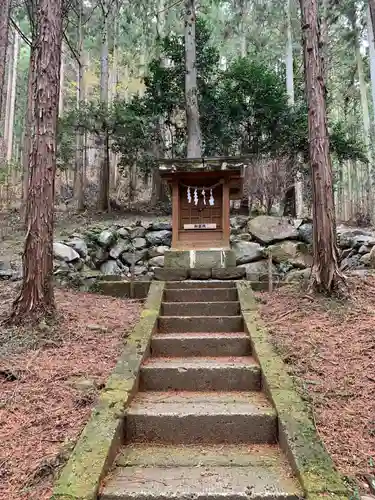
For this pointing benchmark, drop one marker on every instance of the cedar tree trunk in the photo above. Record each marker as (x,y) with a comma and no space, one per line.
(36,299)
(194,144)
(326,276)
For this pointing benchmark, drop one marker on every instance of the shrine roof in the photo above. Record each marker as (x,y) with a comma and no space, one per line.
(196,165)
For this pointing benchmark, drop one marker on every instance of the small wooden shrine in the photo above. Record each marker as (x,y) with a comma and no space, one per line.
(201,193)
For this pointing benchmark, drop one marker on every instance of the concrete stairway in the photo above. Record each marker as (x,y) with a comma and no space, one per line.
(200,426)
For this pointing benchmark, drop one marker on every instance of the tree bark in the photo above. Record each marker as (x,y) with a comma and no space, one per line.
(371,4)
(104,76)
(158,190)
(326,276)
(194,138)
(4,34)
(80,134)
(27,132)
(12,96)
(371,43)
(36,299)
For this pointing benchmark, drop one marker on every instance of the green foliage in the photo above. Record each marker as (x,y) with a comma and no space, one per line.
(243,110)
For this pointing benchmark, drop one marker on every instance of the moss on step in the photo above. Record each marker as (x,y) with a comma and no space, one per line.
(297,434)
(102,435)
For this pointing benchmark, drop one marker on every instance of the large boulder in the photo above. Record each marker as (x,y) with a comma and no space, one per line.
(156,251)
(247,251)
(305,233)
(111,268)
(139,243)
(354,238)
(64,252)
(258,271)
(137,232)
(352,262)
(161,226)
(106,238)
(120,247)
(158,238)
(157,261)
(371,258)
(98,256)
(79,246)
(292,252)
(268,229)
(122,232)
(128,257)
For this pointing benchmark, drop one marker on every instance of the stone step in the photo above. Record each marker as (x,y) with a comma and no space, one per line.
(201,417)
(217,324)
(199,284)
(201,295)
(200,374)
(200,308)
(203,472)
(200,344)
(198,483)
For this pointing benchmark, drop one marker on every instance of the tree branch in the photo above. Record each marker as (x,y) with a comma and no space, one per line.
(72,49)
(22,35)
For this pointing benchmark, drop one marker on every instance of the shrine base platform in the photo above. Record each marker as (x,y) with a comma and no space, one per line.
(200,259)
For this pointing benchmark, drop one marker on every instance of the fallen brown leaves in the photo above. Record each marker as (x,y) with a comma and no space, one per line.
(41,414)
(330,347)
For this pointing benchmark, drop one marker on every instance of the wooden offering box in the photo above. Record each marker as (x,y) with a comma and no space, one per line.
(201,191)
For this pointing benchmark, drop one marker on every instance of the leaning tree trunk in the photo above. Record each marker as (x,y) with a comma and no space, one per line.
(36,299)
(326,276)
(194,141)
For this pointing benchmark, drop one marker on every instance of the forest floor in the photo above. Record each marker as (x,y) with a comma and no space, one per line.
(329,347)
(49,382)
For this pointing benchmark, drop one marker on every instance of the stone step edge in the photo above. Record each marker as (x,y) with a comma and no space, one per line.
(196,482)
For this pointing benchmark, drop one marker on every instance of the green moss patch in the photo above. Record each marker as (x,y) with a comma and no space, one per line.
(103,434)
(297,434)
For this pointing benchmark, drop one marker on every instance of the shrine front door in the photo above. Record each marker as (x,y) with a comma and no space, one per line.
(200,217)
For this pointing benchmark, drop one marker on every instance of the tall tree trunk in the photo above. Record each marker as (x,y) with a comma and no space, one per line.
(158,190)
(371,4)
(326,276)
(104,76)
(364,105)
(36,299)
(4,34)
(371,43)
(298,181)
(81,96)
(194,137)
(8,94)
(12,96)
(242,27)
(27,132)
